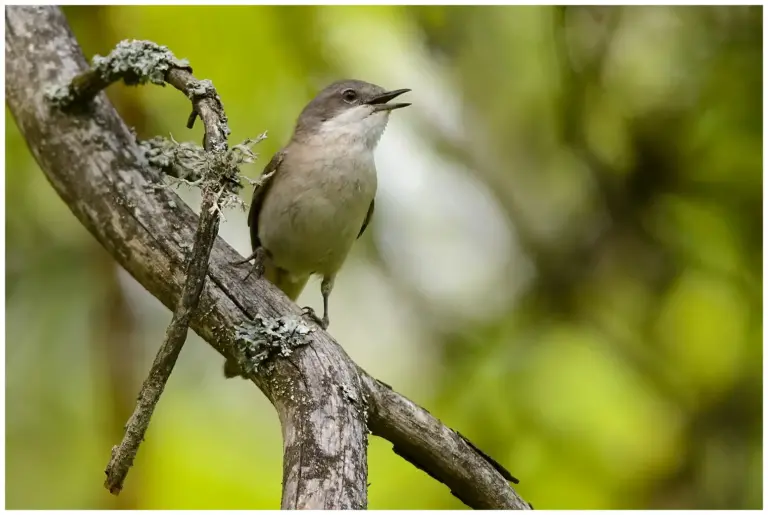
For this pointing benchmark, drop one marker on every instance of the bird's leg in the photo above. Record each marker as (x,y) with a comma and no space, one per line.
(325,288)
(258,263)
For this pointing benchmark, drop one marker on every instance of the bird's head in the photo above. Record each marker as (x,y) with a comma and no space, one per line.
(350,111)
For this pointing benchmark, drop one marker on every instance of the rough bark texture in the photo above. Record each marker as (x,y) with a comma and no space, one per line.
(137,62)
(321,396)
(473,477)
(121,459)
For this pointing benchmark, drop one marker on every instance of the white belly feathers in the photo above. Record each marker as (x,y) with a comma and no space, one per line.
(316,208)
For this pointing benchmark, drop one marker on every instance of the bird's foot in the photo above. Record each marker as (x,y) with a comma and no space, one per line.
(309,312)
(240,261)
(257,269)
(258,263)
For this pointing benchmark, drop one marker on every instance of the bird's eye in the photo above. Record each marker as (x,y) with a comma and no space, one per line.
(349,95)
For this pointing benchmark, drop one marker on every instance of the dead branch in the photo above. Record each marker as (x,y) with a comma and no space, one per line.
(324,401)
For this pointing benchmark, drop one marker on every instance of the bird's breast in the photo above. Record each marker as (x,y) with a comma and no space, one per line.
(316,207)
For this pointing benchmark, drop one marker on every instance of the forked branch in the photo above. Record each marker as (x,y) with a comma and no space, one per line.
(140,62)
(325,402)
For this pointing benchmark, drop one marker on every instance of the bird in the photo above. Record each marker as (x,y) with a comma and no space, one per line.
(316,195)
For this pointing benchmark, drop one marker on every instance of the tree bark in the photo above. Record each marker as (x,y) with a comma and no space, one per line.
(322,398)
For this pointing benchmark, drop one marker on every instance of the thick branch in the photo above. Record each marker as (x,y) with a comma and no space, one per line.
(94,163)
(97,168)
(474,477)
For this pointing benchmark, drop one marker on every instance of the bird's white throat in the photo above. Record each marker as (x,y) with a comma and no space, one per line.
(360,125)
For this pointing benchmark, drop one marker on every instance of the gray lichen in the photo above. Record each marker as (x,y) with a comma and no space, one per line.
(263,338)
(178,160)
(187,163)
(199,89)
(133,61)
(137,62)
(60,96)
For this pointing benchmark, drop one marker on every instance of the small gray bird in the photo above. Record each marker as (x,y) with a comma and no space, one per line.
(316,195)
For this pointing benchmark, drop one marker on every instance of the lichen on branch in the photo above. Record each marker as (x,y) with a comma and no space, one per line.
(259,340)
(187,163)
(217,168)
(134,61)
(325,464)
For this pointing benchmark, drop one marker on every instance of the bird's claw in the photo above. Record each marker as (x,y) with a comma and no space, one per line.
(309,312)
(239,262)
(257,269)
(258,263)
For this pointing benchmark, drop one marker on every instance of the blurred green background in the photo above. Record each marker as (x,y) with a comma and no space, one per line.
(564,264)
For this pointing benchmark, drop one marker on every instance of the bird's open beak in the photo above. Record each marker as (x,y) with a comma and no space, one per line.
(379,102)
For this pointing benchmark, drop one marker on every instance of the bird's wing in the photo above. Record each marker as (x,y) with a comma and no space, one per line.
(368,216)
(259,193)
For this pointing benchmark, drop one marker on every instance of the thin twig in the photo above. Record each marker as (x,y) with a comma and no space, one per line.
(175,336)
(139,62)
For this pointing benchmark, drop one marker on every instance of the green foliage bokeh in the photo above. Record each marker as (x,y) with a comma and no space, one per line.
(607,349)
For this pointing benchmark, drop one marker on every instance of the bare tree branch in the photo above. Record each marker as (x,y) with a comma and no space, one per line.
(473,477)
(137,62)
(123,455)
(322,398)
